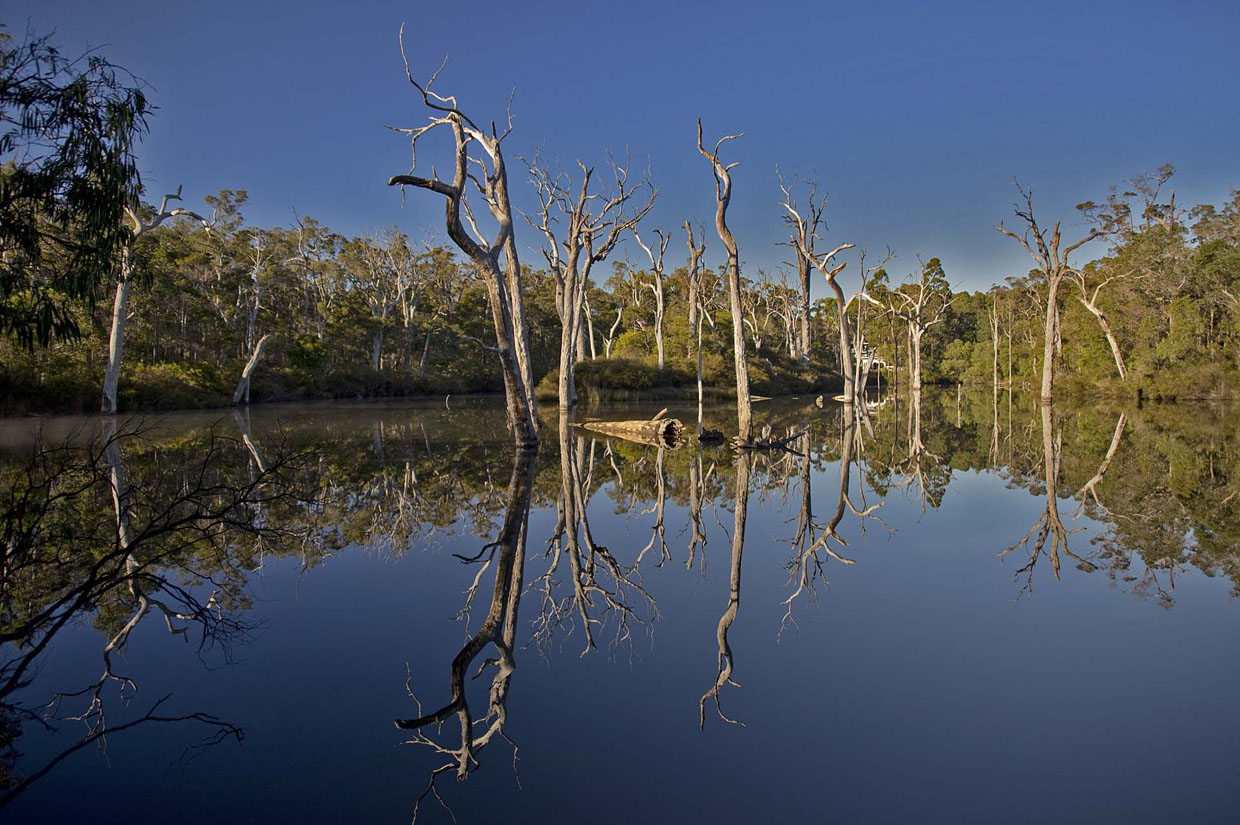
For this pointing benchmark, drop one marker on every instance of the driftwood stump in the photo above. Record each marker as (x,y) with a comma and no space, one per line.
(657,431)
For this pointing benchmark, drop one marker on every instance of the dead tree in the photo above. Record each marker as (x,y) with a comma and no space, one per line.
(862,359)
(253,297)
(141,225)
(488,175)
(804,223)
(723,195)
(593,225)
(831,270)
(656,271)
(1052,262)
(696,308)
(921,304)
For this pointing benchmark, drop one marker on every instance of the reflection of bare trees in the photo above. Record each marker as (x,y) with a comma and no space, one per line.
(697,493)
(597,580)
(657,535)
(724,675)
(174,542)
(147,590)
(507,556)
(812,548)
(1050,526)
(932,486)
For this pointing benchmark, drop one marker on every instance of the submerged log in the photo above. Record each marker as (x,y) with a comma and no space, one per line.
(657,431)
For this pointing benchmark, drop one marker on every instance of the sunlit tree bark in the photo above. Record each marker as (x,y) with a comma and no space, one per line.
(503,280)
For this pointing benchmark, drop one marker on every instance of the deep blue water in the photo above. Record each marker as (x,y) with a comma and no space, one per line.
(922,683)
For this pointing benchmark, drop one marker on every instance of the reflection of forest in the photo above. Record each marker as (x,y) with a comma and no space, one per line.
(175,527)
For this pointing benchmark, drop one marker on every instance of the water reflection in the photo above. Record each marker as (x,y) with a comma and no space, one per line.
(175,523)
(85,538)
(499,630)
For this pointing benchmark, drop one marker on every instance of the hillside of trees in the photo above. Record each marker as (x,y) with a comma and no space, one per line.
(381,315)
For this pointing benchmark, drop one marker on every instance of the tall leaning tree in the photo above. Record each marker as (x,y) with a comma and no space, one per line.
(1047,250)
(139,224)
(495,257)
(723,196)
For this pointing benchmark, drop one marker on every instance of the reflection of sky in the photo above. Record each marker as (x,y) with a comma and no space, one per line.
(915,686)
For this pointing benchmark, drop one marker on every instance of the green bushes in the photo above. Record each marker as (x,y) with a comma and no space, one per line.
(607,376)
(172,386)
(771,374)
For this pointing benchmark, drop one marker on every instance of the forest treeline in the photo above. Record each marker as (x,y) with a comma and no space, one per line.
(382,315)
(179,305)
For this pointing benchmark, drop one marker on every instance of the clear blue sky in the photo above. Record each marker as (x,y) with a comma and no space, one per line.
(915,115)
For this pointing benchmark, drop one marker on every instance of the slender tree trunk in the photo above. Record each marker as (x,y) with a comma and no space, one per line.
(1050,337)
(846,364)
(376,349)
(116,340)
(590,331)
(658,318)
(915,334)
(699,374)
(803,277)
(1106,330)
(426,348)
(744,405)
(243,385)
(994,337)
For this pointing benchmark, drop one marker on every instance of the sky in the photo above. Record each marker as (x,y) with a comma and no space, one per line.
(914,116)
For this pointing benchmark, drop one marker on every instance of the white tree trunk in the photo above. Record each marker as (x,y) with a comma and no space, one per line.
(116,340)
(243,385)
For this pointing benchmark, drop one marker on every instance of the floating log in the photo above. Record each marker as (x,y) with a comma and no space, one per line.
(710,437)
(656,432)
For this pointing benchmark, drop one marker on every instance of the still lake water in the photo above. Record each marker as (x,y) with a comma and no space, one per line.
(645,664)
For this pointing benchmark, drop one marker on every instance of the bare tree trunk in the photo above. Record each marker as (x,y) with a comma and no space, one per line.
(656,267)
(243,385)
(696,310)
(723,194)
(593,226)
(1092,306)
(804,225)
(503,283)
(120,305)
(116,340)
(915,334)
(1053,264)
(376,348)
(994,338)
(426,348)
(589,314)
(1049,338)
(803,279)
(846,363)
